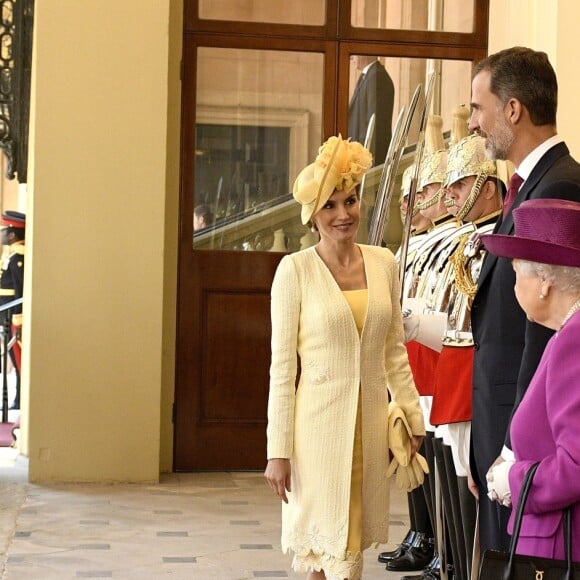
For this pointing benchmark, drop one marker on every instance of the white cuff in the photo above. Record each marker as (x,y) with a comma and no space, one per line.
(508,454)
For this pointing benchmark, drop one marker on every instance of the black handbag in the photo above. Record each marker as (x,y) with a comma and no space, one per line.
(497,565)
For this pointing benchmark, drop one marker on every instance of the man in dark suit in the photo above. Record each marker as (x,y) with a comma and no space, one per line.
(374,93)
(514,101)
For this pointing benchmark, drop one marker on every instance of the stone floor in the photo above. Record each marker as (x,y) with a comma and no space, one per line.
(196,525)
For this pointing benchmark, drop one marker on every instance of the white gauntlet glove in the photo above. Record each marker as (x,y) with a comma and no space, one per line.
(410,325)
(423,325)
(498,486)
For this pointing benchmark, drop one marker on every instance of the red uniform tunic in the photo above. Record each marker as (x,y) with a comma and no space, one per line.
(452,389)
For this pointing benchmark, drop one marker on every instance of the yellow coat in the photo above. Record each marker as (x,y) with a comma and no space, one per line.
(313,425)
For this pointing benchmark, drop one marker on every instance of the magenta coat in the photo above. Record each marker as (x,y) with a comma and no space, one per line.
(546,428)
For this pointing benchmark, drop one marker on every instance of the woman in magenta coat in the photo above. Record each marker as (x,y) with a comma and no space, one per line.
(545,428)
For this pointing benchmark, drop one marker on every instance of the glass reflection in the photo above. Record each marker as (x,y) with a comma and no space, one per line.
(309,12)
(452,88)
(373,95)
(258,123)
(443,15)
(258,120)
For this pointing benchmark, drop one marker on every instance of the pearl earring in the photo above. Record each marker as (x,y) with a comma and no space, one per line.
(542,296)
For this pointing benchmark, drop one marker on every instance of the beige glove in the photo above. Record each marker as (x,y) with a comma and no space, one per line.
(409,477)
(409,474)
(399,434)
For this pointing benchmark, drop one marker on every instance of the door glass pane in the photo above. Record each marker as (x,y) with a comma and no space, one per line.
(258,122)
(388,84)
(308,12)
(442,15)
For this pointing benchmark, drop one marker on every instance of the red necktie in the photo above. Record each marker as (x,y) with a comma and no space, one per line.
(513,188)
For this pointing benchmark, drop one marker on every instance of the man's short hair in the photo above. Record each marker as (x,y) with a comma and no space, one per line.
(204,211)
(526,75)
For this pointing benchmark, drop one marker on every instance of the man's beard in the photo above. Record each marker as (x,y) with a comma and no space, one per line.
(498,147)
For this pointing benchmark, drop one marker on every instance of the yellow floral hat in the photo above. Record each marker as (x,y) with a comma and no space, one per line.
(339,166)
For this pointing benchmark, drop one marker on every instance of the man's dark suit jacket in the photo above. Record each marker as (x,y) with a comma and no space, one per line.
(508,347)
(374,94)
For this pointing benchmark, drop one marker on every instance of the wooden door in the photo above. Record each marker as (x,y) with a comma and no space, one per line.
(221,414)
(259,96)
(241,160)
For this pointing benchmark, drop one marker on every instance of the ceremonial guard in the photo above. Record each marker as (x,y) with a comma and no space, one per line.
(420,227)
(436,262)
(473,195)
(416,550)
(431,205)
(419,223)
(11,285)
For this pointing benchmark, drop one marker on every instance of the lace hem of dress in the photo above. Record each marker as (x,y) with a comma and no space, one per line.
(334,568)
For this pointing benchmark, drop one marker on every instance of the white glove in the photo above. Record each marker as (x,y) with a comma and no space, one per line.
(411,324)
(472,246)
(498,486)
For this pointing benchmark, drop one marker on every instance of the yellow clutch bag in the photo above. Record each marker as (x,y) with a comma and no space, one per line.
(410,474)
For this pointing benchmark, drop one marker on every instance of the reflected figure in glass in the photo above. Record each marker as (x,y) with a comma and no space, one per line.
(374,94)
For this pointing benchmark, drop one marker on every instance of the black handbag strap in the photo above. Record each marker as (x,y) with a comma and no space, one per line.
(568,541)
(526,485)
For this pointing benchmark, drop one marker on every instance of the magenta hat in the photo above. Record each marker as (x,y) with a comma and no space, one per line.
(546,231)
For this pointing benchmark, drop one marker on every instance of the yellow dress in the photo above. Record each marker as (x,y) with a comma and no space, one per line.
(357,300)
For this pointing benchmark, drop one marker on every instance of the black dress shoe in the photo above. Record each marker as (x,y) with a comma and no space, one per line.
(417,557)
(385,557)
(431,572)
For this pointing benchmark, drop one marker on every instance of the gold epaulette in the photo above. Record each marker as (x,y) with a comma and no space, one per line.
(463,278)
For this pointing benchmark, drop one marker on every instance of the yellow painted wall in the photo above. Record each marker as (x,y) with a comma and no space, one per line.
(102,199)
(566,40)
(9,194)
(102,210)
(170,233)
(545,25)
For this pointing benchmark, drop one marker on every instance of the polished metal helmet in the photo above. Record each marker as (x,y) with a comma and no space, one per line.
(433,168)
(467,158)
(432,171)
(406,179)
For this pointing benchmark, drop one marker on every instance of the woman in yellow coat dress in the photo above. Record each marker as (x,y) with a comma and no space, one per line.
(336,307)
